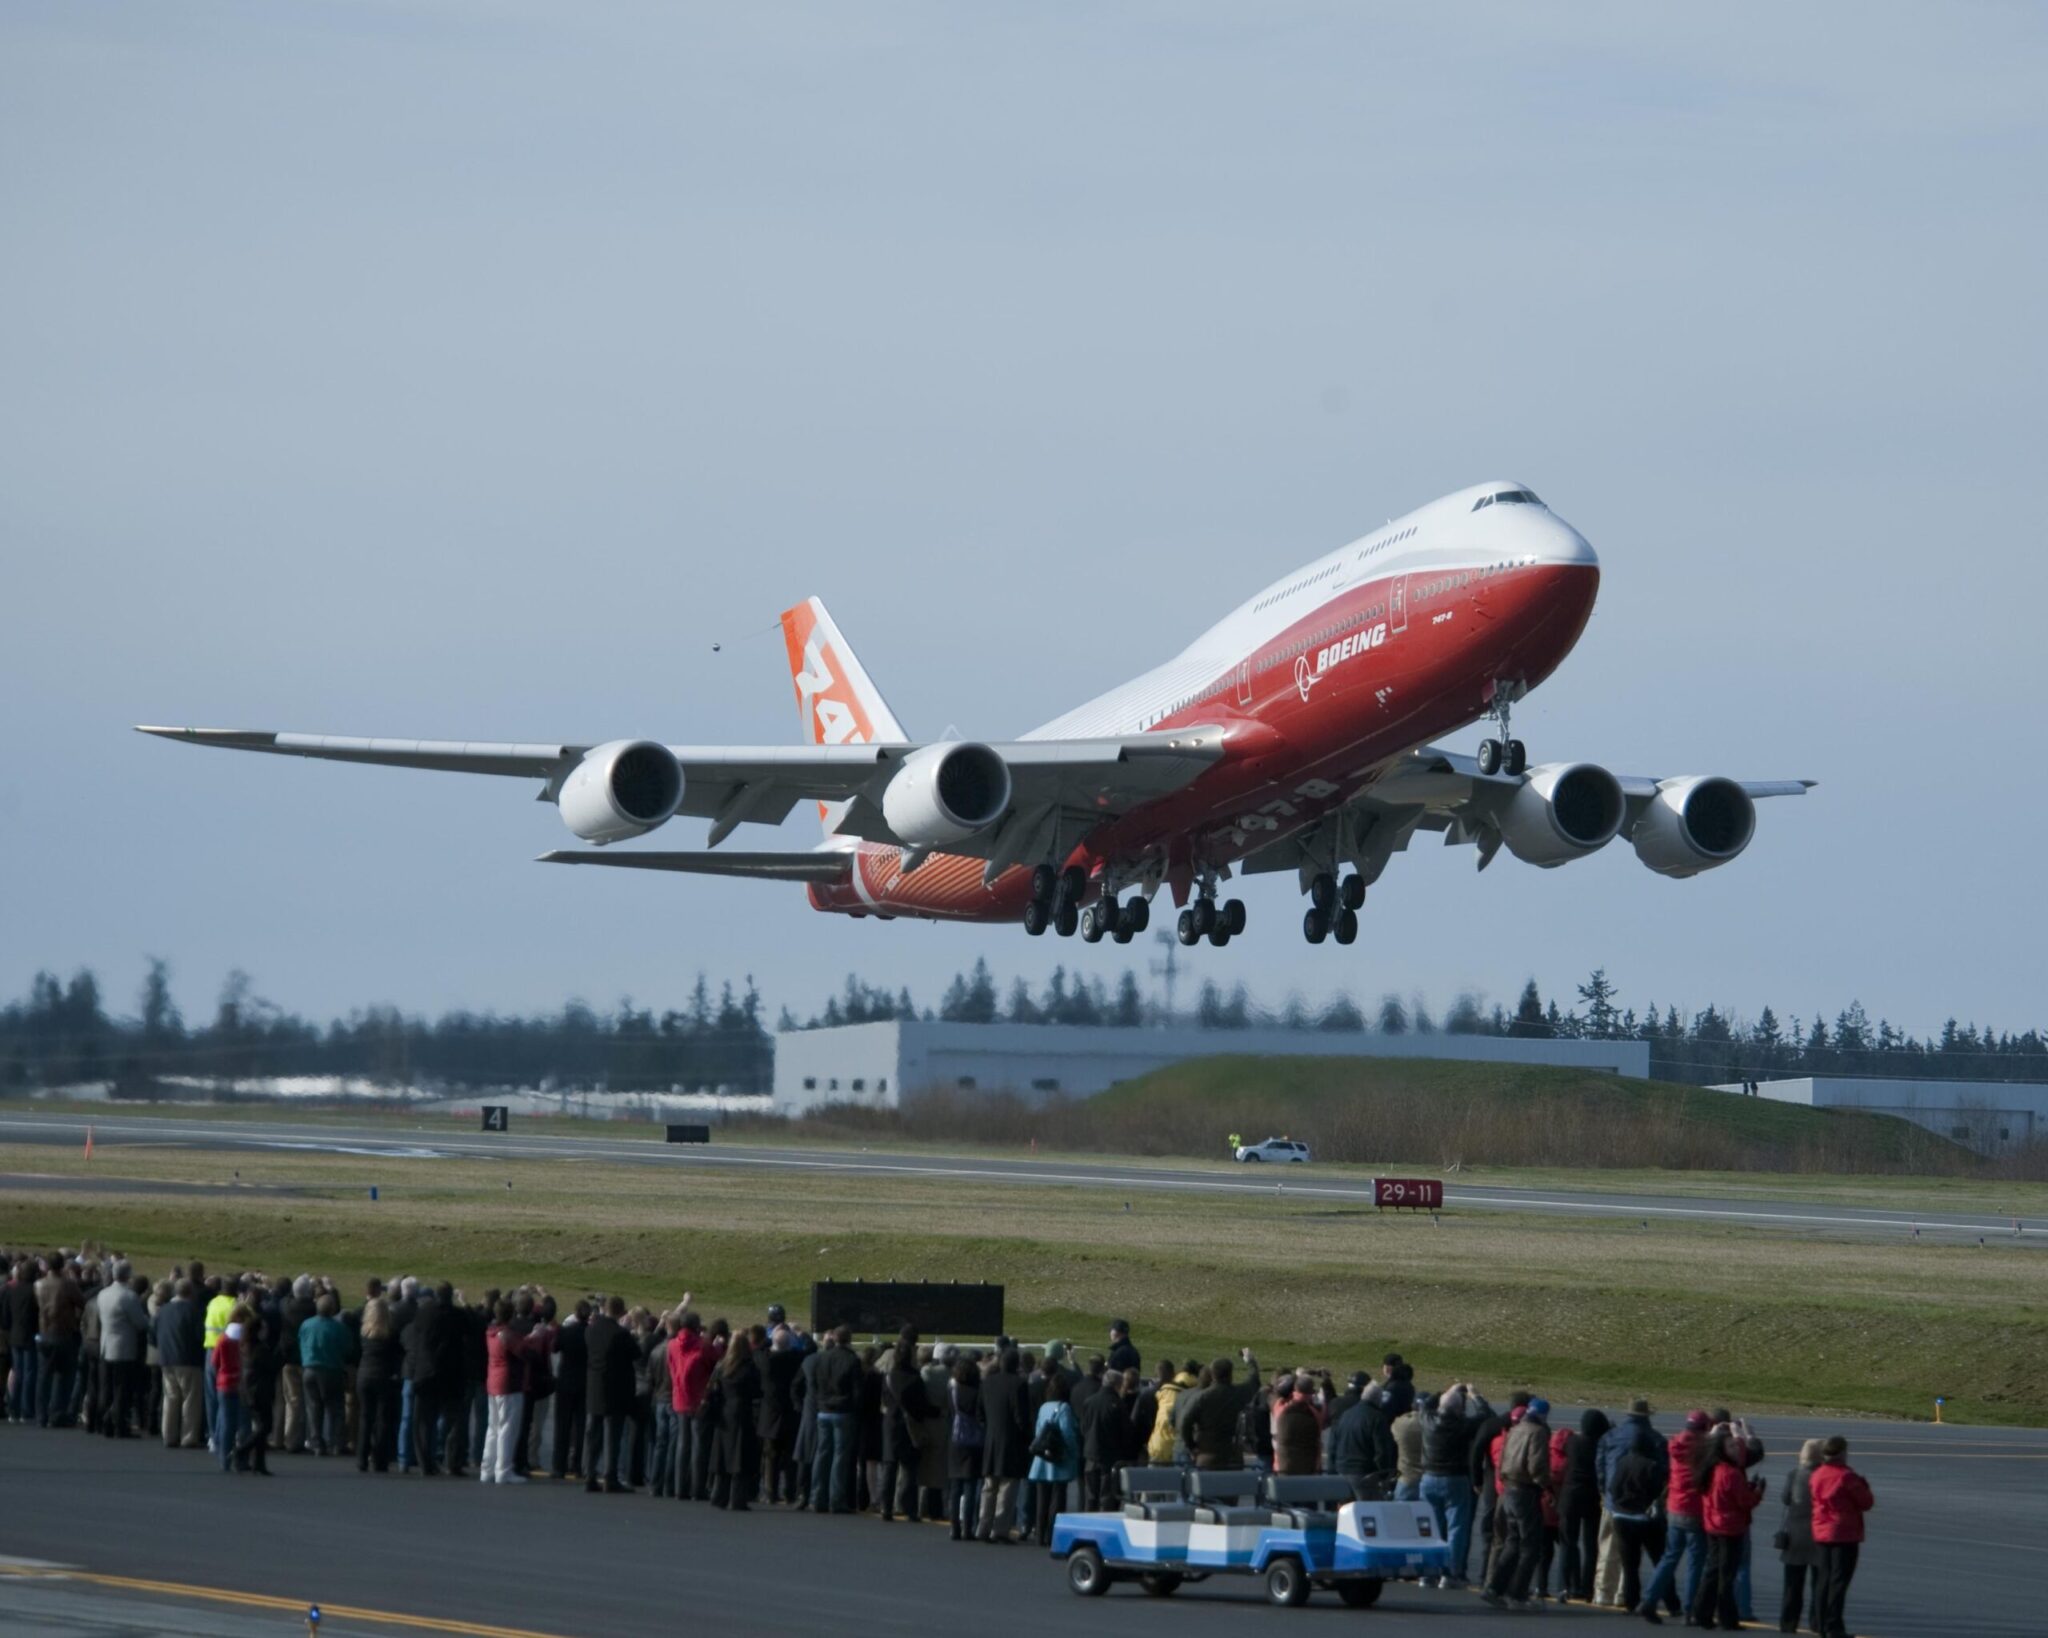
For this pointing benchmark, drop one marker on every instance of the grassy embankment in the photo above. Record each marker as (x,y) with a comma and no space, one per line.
(1594,1311)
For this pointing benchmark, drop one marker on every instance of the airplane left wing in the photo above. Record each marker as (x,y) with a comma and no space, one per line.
(1052,782)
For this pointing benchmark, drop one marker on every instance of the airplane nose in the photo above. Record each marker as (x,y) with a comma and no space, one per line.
(1565,546)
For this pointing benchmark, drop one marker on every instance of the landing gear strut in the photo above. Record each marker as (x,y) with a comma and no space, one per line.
(1206,919)
(1333,907)
(1503,755)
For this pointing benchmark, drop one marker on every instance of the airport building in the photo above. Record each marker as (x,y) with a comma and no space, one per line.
(879,1064)
(1991,1117)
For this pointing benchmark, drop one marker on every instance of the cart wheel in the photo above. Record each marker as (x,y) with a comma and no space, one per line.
(1160,1583)
(1085,1573)
(1360,1595)
(1287,1581)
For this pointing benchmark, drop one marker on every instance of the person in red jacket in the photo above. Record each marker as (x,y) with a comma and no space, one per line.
(690,1361)
(507,1352)
(1841,1496)
(1727,1496)
(227,1385)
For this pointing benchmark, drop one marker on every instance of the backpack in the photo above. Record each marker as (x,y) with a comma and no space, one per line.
(1159,1448)
(1636,1483)
(967,1431)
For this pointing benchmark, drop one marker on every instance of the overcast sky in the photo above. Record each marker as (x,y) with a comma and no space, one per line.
(468,370)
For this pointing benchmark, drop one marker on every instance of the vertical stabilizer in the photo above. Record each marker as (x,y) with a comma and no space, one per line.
(836,699)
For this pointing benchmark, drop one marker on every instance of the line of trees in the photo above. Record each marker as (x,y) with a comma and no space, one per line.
(1705,1047)
(61,1034)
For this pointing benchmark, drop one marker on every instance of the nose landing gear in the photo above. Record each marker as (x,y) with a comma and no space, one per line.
(1503,755)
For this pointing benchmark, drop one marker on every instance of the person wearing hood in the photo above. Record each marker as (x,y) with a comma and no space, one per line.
(1578,1506)
(1683,1536)
(1841,1496)
(1797,1550)
(1450,1422)
(1524,1466)
(1728,1495)
(1485,1481)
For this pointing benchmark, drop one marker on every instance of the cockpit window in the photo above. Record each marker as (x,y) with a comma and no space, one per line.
(1508,497)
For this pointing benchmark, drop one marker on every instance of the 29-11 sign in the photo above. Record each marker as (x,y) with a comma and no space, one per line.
(1416,1193)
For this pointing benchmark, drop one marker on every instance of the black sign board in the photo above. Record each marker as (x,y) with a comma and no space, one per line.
(497,1118)
(689,1134)
(884,1307)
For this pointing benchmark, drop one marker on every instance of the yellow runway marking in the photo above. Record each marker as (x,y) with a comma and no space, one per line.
(263,1601)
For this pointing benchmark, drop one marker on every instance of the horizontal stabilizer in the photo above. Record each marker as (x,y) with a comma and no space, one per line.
(777,867)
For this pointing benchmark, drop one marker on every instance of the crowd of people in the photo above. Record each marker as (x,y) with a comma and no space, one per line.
(994,1441)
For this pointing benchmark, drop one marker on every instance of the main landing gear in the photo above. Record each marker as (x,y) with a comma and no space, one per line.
(1206,919)
(1503,755)
(1333,908)
(1056,903)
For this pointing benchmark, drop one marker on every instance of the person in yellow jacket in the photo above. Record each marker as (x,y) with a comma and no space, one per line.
(219,1310)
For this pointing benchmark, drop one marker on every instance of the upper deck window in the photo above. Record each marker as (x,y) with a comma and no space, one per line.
(1508,497)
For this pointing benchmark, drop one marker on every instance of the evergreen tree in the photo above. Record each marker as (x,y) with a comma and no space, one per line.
(1129,1010)
(981,995)
(1393,1016)
(1465,1016)
(1597,993)
(1530,1022)
(1341,1014)
(1022,1009)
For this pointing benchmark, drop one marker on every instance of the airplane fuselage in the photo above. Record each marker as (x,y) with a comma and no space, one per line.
(1320,681)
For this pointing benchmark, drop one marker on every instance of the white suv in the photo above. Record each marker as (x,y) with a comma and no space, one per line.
(1280,1149)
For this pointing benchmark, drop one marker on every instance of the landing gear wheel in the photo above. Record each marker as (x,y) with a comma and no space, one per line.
(1086,1573)
(1045,882)
(1065,919)
(1489,756)
(1345,928)
(1073,883)
(1518,757)
(1352,894)
(1035,917)
(1287,1581)
(1360,1595)
(1187,931)
(1092,927)
(1205,916)
(1322,890)
(1219,935)
(1126,926)
(1138,914)
(1159,1583)
(1315,925)
(1233,916)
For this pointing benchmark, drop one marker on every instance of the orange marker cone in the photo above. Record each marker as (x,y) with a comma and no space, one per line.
(88,1140)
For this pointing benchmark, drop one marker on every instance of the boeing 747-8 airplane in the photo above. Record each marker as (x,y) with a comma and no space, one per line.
(1294,735)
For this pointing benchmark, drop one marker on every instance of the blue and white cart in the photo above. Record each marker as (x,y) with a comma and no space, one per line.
(1181,1525)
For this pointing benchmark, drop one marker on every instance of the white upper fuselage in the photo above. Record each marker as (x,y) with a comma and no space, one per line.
(1444,536)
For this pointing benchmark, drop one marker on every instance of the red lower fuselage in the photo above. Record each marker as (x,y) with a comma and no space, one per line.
(1311,717)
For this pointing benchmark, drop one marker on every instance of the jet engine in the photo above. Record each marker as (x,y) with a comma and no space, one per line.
(944,793)
(622,789)
(1561,812)
(1693,825)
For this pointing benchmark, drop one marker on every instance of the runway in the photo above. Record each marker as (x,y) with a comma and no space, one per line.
(1342,1188)
(1957,1547)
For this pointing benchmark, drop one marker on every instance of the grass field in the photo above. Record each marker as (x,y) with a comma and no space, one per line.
(1584,1310)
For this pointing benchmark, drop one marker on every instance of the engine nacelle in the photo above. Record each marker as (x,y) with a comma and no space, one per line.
(945,793)
(1693,825)
(1561,812)
(622,789)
